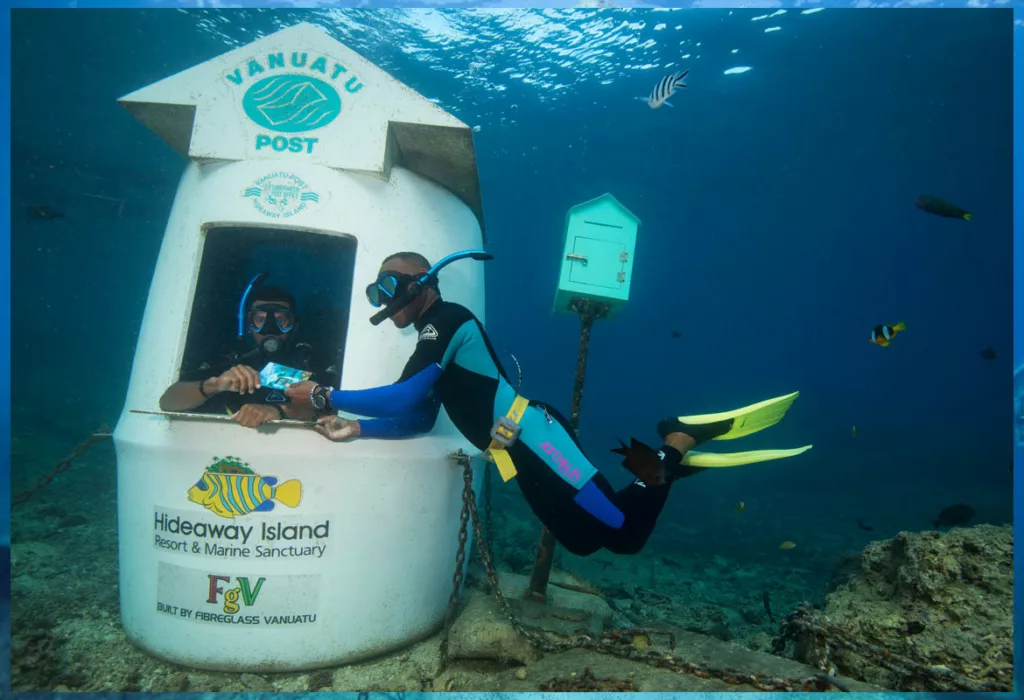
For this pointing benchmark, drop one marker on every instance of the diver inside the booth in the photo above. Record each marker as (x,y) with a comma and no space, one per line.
(249,384)
(528,440)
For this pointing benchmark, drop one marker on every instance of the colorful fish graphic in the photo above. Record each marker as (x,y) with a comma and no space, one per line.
(229,488)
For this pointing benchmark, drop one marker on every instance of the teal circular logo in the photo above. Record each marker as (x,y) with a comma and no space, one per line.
(291,103)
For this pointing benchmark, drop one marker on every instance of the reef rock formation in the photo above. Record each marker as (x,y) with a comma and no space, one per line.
(932,611)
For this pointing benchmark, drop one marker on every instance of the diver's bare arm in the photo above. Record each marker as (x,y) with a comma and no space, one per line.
(299,411)
(187,395)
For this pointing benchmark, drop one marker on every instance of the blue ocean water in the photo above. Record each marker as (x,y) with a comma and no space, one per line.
(779,228)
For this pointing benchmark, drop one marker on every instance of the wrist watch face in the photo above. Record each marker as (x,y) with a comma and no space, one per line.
(319,400)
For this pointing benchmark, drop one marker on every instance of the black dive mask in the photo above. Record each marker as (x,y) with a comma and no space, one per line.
(274,322)
(264,315)
(394,291)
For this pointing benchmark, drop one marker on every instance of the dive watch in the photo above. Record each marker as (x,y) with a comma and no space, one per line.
(319,397)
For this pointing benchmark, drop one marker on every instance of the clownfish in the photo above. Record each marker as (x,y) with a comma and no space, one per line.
(881,335)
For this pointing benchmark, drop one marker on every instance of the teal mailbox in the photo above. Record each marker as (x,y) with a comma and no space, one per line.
(600,239)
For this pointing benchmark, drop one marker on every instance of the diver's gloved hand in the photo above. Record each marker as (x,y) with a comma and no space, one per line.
(700,433)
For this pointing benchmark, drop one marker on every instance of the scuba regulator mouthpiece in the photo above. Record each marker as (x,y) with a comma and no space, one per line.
(272,345)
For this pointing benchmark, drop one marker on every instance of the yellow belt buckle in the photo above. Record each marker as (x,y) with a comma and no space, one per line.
(504,433)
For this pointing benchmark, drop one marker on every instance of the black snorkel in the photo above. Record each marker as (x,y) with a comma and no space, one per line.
(428,278)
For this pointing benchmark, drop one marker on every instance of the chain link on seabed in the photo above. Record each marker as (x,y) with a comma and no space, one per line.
(803,624)
(618,642)
(102,434)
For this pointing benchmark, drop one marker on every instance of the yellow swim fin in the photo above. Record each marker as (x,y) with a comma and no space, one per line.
(747,420)
(735,459)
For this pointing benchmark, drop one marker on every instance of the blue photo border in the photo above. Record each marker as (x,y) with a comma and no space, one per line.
(5,213)
(5,351)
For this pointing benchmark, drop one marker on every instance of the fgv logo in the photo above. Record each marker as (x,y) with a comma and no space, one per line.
(296,96)
(245,590)
(565,466)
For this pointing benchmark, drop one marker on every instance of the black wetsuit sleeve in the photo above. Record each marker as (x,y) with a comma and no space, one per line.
(201,373)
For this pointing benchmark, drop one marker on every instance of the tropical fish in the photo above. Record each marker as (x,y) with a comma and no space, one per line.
(864,526)
(959,514)
(882,335)
(787,545)
(665,88)
(853,431)
(988,353)
(43,212)
(229,488)
(740,507)
(940,207)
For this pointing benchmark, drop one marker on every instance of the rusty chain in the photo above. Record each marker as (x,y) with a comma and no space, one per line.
(826,638)
(487,509)
(101,434)
(617,642)
(620,642)
(460,560)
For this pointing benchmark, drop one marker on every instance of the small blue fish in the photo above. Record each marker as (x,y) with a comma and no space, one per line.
(665,88)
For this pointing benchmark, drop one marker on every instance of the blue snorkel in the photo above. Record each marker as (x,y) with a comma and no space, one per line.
(245,300)
(402,300)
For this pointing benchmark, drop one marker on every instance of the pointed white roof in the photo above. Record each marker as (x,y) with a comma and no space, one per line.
(300,94)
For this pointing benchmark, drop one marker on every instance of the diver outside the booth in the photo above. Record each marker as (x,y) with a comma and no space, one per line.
(233,384)
(455,364)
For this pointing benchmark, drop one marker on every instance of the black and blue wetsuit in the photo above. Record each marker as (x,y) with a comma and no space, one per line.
(455,365)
